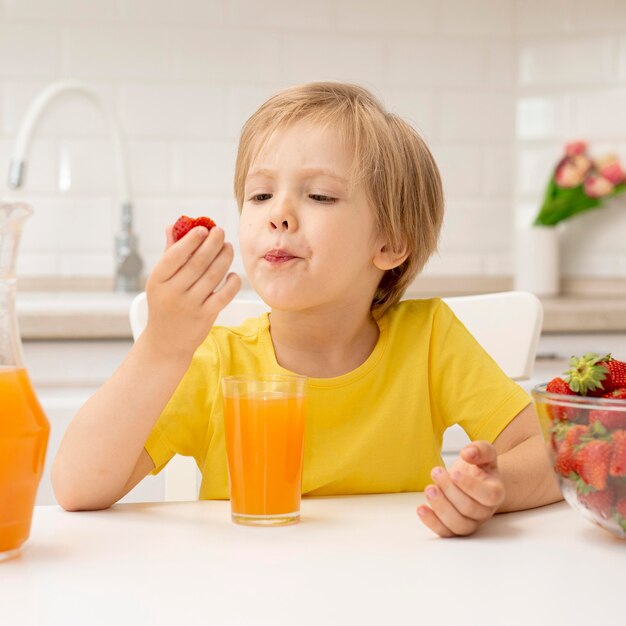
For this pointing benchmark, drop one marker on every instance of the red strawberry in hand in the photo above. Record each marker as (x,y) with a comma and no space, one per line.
(184,224)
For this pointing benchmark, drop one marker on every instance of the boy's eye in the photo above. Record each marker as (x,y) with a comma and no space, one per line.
(259,197)
(321,198)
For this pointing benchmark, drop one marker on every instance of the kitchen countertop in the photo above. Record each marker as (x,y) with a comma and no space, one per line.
(351,560)
(104,315)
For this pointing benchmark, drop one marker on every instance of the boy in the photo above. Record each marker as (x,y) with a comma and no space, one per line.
(341,206)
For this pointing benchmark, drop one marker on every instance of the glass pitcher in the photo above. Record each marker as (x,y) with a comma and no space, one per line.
(24,428)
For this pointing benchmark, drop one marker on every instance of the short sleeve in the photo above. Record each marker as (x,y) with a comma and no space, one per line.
(183,426)
(467,386)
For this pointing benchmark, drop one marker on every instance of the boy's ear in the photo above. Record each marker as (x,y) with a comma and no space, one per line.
(386,258)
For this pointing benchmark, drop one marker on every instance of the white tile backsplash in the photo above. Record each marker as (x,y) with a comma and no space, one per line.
(495,87)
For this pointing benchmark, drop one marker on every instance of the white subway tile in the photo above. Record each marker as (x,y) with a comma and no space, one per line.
(204,167)
(450,263)
(59,10)
(472,116)
(622,60)
(242,102)
(416,108)
(184,12)
(437,63)
(87,264)
(36,264)
(589,61)
(476,226)
(461,170)
(477,17)
(41,167)
(392,15)
(535,168)
(28,50)
(87,166)
(526,211)
(600,115)
(279,14)
(541,117)
(602,15)
(503,65)
(538,17)
(308,57)
(75,224)
(499,172)
(232,55)
(500,263)
(118,52)
(70,113)
(150,165)
(172,111)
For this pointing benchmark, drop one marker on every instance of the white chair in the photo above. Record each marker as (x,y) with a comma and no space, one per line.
(506,324)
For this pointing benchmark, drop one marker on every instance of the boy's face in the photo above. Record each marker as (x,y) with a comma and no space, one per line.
(307,239)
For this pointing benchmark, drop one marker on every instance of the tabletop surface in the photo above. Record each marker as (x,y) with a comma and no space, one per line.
(351,560)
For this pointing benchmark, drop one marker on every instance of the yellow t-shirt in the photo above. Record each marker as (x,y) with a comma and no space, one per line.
(376,429)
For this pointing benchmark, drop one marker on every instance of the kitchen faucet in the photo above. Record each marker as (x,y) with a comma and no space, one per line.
(128,263)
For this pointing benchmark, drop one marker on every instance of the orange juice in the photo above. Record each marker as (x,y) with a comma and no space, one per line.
(264,444)
(24,433)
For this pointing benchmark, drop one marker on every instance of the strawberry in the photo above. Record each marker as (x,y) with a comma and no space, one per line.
(616,378)
(567,438)
(184,224)
(595,375)
(599,502)
(611,419)
(617,466)
(592,463)
(561,413)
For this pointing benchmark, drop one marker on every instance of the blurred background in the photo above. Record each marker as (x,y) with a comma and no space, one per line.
(495,86)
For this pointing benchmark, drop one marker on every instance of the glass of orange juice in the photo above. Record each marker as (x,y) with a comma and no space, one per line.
(264,419)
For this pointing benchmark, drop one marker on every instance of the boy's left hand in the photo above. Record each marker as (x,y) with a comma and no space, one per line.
(466,495)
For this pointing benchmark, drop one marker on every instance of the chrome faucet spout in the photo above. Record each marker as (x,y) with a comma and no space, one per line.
(128,263)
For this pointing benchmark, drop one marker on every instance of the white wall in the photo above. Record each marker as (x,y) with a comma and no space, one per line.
(183,77)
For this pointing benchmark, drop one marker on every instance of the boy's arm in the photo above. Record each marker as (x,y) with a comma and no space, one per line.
(524,464)
(511,474)
(102,454)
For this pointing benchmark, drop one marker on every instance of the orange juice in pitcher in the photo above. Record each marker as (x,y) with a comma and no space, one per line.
(24,428)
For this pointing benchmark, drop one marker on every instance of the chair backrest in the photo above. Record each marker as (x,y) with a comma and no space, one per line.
(506,324)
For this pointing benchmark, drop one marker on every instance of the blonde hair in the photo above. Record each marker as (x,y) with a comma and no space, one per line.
(391,160)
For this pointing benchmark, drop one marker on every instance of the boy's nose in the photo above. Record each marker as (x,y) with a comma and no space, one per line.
(282,218)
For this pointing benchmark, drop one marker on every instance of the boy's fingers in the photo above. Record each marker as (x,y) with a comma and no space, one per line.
(202,259)
(453,520)
(461,496)
(226,293)
(178,253)
(480,453)
(431,520)
(488,493)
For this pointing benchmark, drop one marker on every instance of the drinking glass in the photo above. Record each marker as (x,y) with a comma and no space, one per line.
(264,419)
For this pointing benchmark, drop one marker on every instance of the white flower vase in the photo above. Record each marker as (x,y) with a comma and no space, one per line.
(537,267)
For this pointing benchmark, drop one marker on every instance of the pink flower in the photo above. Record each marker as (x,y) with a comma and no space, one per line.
(610,168)
(598,186)
(575,147)
(571,171)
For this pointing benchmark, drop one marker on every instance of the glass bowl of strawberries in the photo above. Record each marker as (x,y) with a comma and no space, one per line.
(583,417)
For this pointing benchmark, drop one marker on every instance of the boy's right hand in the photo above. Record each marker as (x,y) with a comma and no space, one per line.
(182,303)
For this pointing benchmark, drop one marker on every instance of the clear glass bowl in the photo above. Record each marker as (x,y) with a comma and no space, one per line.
(585,437)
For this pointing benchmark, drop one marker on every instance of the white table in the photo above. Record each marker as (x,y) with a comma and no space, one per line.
(352,560)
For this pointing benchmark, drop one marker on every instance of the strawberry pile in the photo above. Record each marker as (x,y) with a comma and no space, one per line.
(589,442)
(184,224)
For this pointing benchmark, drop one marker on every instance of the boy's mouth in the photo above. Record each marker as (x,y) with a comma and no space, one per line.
(278,255)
